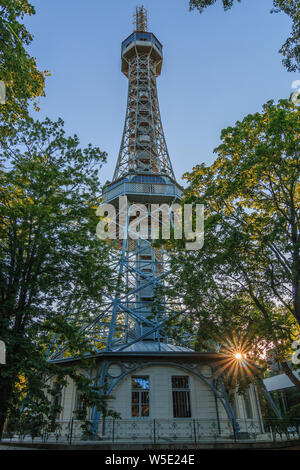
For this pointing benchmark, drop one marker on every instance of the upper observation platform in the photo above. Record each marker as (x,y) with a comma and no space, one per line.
(145,188)
(141,42)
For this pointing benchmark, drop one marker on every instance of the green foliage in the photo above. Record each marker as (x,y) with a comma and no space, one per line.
(294,412)
(246,278)
(53,269)
(202,4)
(18,70)
(89,397)
(291,48)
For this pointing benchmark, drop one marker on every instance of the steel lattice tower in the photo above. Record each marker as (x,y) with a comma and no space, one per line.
(134,315)
(143,146)
(144,175)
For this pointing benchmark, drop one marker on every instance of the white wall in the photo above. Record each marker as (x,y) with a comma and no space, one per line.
(202,398)
(161,405)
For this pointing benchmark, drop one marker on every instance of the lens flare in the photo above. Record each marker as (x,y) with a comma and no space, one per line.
(236,361)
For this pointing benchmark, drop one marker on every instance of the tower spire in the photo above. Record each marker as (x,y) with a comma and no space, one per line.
(141,19)
(143,147)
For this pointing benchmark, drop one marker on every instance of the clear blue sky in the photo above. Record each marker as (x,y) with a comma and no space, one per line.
(217,68)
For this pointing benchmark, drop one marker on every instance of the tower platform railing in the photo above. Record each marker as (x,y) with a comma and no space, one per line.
(141,36)
(142,190)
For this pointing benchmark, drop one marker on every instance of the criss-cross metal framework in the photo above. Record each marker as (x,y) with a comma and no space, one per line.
(143,146)
(141,19)
(144,175)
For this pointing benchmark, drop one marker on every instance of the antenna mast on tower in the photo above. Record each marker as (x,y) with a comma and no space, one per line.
(141,19)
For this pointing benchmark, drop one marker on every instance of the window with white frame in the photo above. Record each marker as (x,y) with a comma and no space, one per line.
(235,405)
(140,387)
(248,406)
(181,396)
(80,404)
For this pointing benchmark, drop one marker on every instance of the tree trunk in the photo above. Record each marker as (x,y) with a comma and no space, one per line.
(5,395)
(288,371)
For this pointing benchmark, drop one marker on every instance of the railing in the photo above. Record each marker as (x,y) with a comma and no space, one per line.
(148,37)
(178,430)
(142,188)
(146,430)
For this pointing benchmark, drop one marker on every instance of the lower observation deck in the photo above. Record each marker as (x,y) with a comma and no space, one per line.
(164,191)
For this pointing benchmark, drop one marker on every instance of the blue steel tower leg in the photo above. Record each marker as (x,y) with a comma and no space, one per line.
(95,416)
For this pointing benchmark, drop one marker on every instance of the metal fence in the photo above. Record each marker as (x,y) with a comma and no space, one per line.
(154,431)
(125,188)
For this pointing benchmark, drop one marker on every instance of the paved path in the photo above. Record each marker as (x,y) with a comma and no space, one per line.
(3,447)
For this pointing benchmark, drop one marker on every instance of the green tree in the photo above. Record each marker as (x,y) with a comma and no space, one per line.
(53,269)
(18,70)
(246,278)
(291,48)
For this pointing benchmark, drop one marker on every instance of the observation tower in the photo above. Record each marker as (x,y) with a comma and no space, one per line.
(155,381)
